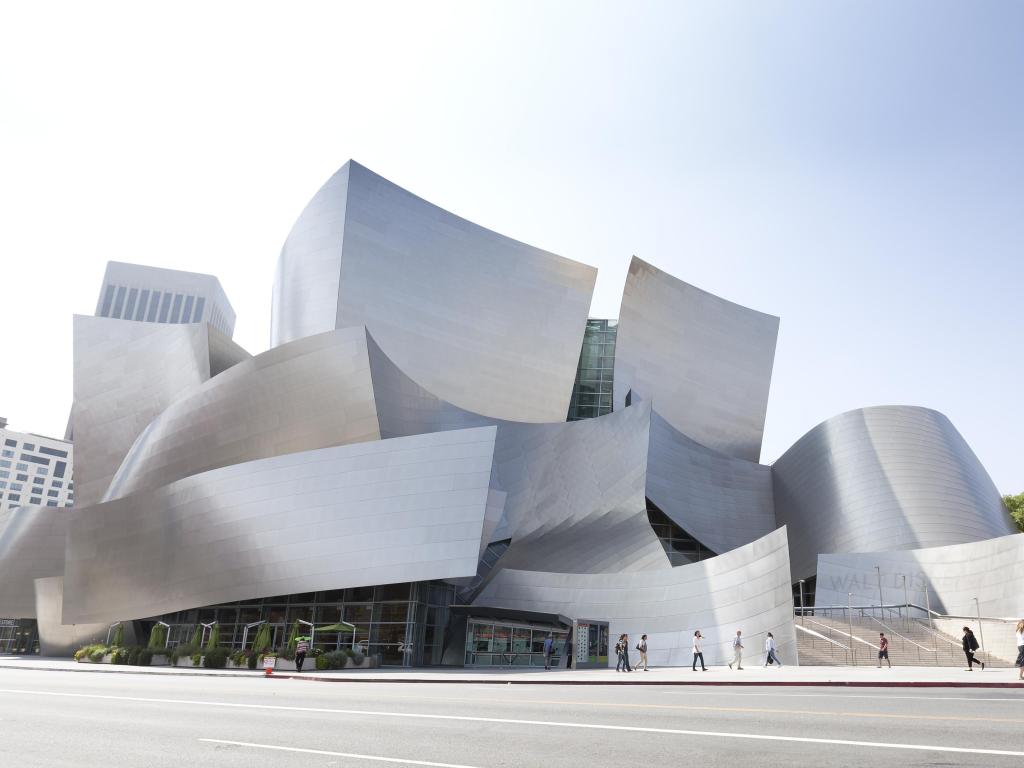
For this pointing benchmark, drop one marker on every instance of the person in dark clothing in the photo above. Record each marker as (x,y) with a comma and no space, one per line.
(549,650)
(301,649)
(970,643)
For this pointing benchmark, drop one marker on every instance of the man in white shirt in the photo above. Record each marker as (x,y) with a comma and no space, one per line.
(697,654)
(737,651)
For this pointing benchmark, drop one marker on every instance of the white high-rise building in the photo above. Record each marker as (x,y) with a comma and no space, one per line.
(34,469)
(156,295)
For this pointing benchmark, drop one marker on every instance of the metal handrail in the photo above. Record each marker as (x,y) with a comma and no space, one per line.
(852,636)
(826,639)
(927,611)
(894,633)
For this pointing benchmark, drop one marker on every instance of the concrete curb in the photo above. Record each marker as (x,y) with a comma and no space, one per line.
(258,674)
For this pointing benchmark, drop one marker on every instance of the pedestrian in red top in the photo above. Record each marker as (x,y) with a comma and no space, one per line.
(883,650)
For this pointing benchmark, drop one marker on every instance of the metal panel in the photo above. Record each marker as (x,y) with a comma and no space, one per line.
(704,361)
(55,637)
(408,509)
(125,374)
(991,570)
(31,547)
(312,393)
(722,502)
(884,478)
(481,320)
(746,589)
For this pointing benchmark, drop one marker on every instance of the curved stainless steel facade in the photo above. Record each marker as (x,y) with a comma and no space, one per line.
(704,361)
(126,373)
(884,478)
(55,637)
(31,547)
(408,509)
(722,502)
(312,393)
(990,570)
(746,589)
(507,319)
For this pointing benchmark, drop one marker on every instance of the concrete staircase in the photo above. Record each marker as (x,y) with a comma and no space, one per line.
(825,641)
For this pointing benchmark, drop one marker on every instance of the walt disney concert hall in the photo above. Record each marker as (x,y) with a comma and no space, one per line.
(442,450)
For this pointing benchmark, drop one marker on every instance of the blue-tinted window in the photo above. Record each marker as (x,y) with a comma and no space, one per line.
(200,306)
(154,305)
(21,477)
(51,503)
(8,454)
(35,500)
(58,484)
(42,471)
(140,313)
(165,307)
(59,470)
(37,481)
(35,459)
(4,473)
(186,311)
(53,452)
(176,309)
(129,311)
(28,447)
(108,297)
(14,497)
(21,467)
(15,486)
(54,494)
(118,302)
(10,442)
(4,463)
(3,483)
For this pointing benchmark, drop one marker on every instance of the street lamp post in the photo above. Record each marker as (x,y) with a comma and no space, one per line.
(928,605)
(801,582)
(906,599)
(881,601)
(849,616)
(981,630)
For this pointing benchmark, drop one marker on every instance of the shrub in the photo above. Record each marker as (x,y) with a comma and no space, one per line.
(357,659)
(321,662)
(197,659)
(262,640)
(133,654)
(252,660)
(93,652)
(181,651)
(214,639)
(119,655)
(158,636)
(333,660)
(216,658)
(145,657)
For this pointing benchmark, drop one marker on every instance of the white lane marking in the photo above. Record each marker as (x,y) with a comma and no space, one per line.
(353,755)
(781,695)
(512,721)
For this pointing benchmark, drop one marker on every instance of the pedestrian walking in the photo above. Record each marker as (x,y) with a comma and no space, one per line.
(567,650)
(737,651)
(619,644)
(642,649)
(970,643)
(626,653)
(883,650)
(1020,648)
(549,649)
(697,653)
(770,654)
(301,649)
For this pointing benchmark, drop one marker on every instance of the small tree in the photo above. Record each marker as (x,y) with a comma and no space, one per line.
(197,637)
(1016,506)
(214,639)
(293,636)
(119,635)
(158,636)
(262,641)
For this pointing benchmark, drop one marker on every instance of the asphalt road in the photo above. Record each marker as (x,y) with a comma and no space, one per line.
(92,719)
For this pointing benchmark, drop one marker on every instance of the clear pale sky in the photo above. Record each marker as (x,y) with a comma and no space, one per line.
(855,168)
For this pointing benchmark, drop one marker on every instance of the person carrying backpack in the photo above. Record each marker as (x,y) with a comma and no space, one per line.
(301,649)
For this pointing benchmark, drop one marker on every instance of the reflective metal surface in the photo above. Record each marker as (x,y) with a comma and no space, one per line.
(408,509)
(55,637)
(746,589)
(481,320)
(722,502)
(31,547)
(125,374)
(705,362)
(884,478)
(991,570)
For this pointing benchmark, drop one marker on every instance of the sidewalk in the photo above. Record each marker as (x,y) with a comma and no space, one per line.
(911,677)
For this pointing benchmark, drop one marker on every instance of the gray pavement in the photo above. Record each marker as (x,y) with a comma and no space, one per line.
(63,718)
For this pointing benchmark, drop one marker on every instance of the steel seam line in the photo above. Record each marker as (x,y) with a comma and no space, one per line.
(336,754)
(513,721)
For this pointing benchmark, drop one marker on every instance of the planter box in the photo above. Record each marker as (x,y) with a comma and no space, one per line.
(160,660)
